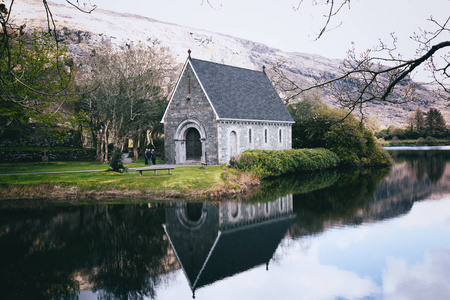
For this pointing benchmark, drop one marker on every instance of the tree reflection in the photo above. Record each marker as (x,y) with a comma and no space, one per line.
(425,164)
(117,250)
(340,202)
(366,195)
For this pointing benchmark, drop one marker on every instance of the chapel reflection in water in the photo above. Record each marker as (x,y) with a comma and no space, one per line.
(215,241)
(129,251)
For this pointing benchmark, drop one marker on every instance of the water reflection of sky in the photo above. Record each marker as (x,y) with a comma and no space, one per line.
(403,258)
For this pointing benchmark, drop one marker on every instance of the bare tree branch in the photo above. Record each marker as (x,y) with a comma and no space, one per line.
(334,7)
(210,5)
(85,7)
(381,74)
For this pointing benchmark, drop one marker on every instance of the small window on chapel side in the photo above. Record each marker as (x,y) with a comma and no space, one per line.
(250,136)
(265,136)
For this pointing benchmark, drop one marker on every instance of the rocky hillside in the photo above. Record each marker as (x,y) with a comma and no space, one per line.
(83,32)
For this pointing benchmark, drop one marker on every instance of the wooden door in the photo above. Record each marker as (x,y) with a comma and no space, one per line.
(193,144)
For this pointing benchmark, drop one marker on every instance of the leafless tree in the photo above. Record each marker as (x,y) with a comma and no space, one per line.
(125,93)
(381,74)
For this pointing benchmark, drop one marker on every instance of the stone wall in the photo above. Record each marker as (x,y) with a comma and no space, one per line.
(189,108)
(31,135)
(12,156)
(252,135)
(235,214)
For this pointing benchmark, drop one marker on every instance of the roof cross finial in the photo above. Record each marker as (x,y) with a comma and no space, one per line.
(264,70)
(189,54)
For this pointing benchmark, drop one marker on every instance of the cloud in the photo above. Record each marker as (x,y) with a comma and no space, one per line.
(426,280)
(297,276)
(428,213)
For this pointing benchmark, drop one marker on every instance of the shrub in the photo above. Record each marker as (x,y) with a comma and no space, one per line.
(267,163)
(342,133)
(116,160)
(421,142)
(395,141)
(430,140)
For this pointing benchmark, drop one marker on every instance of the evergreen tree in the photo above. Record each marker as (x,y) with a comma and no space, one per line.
(419,121)
(435,123)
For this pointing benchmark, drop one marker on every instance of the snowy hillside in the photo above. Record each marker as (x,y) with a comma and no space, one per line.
(83,32)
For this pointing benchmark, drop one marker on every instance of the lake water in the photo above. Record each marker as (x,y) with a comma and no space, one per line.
(372,234)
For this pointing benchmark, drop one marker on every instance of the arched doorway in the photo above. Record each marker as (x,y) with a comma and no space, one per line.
(193,145)
(192,215)
(194,211)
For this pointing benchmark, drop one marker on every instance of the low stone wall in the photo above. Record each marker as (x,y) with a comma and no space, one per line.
(10,156)
(31,135)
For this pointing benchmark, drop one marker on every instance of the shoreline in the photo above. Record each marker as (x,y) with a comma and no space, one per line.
(71,196)
(417,148)
(48,192)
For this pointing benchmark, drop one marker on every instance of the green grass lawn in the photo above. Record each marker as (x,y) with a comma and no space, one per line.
(7,168)
(50,166)
(184,180)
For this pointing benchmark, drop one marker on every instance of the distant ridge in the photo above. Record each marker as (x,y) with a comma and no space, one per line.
(84,32)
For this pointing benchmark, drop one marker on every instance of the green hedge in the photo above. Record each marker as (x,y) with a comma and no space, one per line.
(267,163)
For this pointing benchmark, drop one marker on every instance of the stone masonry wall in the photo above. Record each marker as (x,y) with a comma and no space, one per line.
(256,141)
(13,156)
(196,111)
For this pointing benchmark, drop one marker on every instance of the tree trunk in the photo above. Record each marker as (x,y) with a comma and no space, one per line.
(142,142)
(99,155)
(3,128)
(98,135)
(136,149)
(105,142)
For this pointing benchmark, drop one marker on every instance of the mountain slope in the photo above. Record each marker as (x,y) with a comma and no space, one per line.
(83,32)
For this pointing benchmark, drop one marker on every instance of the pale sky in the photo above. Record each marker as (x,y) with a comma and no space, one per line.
(276,24)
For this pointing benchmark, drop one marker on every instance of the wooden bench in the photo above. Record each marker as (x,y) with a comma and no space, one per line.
(156,170)
(204,165)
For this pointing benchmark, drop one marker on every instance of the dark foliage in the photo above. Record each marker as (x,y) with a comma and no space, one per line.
(116,160)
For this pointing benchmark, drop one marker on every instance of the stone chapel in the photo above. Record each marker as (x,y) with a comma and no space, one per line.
(218,111)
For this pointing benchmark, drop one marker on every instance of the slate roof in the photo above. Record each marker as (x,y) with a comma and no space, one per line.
(240,94)
(242,249)
(233,251)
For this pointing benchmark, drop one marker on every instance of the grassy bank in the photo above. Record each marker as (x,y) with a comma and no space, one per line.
(185,183)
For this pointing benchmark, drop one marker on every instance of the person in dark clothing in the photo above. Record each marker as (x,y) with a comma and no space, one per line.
(148,156)
(153,155)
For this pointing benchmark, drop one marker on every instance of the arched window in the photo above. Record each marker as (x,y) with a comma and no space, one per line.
(265,135)
(279,136)
(233,144)
(250,136)
(234,209)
